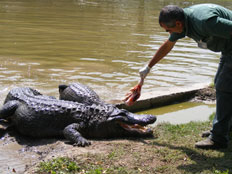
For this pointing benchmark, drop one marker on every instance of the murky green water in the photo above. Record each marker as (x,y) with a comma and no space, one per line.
(182,112)
(100,43)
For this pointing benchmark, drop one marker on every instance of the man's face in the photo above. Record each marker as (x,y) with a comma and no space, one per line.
(177,29)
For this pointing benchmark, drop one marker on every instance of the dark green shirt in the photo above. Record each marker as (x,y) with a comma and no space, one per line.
(208,23)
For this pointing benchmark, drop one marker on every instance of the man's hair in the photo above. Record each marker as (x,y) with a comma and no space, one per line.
(170,14)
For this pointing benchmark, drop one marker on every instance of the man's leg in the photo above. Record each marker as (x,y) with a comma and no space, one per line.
(221,124)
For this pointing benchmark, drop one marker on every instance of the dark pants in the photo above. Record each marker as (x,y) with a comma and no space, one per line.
(223,117)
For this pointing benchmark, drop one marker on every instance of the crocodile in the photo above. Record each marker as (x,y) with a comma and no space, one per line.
(37,115)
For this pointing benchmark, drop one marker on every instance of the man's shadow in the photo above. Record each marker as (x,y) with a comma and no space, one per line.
(201,161)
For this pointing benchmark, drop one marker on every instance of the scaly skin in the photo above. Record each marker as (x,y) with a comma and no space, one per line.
(36,115)
(79,93)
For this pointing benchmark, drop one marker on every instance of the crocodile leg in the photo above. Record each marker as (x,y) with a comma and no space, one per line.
(71,132)
(8,109)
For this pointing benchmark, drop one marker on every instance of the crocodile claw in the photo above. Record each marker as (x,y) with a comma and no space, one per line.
(82,142)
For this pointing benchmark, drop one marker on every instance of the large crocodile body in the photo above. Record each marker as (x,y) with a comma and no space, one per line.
(36,115)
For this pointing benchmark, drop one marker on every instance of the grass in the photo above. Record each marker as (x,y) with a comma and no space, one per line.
(171,151)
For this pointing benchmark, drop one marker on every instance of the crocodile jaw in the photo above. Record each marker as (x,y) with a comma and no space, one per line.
(136,128)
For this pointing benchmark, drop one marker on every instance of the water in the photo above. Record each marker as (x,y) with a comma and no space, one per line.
(12,160)
(182,112)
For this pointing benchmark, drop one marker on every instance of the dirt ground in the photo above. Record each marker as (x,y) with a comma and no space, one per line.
(48,148)
(205,95)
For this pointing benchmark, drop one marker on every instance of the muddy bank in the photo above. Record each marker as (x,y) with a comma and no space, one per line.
(21,154)
(205,95)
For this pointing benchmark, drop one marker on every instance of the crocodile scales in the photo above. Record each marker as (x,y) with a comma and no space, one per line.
(37,115)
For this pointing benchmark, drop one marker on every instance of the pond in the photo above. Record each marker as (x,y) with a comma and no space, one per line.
(100,43)
(181,113)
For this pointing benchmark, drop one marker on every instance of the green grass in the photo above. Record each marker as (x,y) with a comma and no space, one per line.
(171,151)
(59,165)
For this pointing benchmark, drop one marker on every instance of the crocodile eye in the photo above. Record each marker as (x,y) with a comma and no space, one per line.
(73,109)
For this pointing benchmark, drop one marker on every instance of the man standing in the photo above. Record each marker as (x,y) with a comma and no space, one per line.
(210,25)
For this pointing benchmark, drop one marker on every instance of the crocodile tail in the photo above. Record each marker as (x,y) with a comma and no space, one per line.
(8,109)
(62,87)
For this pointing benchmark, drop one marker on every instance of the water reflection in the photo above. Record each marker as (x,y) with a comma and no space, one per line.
(100,43)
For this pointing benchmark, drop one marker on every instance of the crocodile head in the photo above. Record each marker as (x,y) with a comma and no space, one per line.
(112,122)
(122,123)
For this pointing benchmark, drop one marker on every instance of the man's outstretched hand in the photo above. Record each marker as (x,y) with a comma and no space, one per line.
(144,71)
(134,93)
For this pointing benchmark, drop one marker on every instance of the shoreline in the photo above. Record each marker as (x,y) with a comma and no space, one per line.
(164,98)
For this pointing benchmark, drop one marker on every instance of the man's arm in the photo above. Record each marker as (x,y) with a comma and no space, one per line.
(134,93)
(161,53)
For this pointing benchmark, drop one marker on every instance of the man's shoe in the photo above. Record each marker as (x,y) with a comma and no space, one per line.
(205,134)
(209,144)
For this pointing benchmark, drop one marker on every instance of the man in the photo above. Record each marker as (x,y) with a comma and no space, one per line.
(210,25)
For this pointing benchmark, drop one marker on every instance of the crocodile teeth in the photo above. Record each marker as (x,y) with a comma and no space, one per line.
(135,127)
